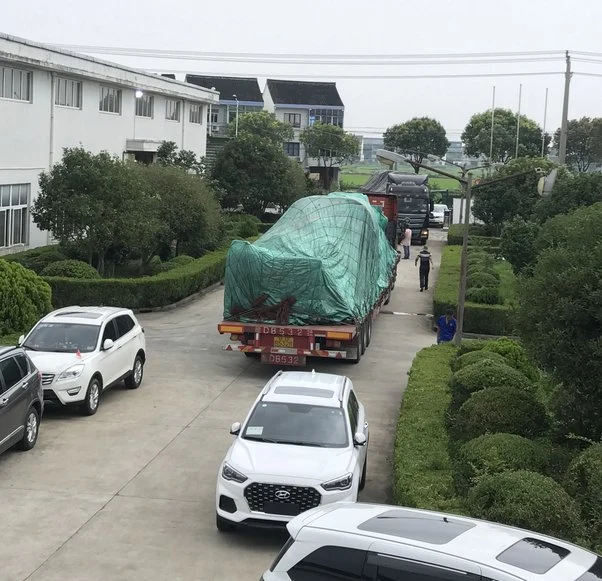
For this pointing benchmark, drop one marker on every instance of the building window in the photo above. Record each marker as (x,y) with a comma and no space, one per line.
(292,148)
(213,115)
(14,214)
(110,100)
(15,84)
(329,116)
(293,118)
(144,106)
(172,110)
(196,113)
(68,93)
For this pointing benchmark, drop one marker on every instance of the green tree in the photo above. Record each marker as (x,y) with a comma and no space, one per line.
(560,316)
(94,201)
(477,136)
(330,145)
(517,244)
(168,155)
(584,143)
(262,124)
(417,138)
(498,202)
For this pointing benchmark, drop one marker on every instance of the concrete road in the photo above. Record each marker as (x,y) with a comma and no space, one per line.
(128,494)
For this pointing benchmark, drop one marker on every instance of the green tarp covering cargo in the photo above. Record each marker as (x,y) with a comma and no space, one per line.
(326,261)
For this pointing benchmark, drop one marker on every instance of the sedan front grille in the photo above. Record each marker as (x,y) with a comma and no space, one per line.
(280,498)
(47,378)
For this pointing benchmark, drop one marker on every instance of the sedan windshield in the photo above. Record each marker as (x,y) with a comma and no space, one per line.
(63,338)
(297,424)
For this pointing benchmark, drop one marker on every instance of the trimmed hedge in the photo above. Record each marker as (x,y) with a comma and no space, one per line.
(499,409)
(485,295)
(422,470)
(482,279)
(515,355)
(71,269)
(527,500)
(476,356)
(494,453)
(37,259)
(455,234)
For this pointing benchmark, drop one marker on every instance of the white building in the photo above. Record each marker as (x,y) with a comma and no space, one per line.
(51,99)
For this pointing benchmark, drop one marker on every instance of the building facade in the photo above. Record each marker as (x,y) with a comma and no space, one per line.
(51,99)
(369,147)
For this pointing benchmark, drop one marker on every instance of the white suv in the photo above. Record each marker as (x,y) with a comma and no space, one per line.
(82,351)
(371,542)
(303,444)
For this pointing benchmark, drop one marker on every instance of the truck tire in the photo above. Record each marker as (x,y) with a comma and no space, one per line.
(360,346)
(388,299)
(368,339)
(363,333)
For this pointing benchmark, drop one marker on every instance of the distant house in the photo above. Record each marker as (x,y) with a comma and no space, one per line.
(237,95)
(303,103)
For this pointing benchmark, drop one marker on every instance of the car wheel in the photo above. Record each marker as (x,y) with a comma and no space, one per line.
(364,470)
(31,428)
(223,525)
(134,380)
(90,405)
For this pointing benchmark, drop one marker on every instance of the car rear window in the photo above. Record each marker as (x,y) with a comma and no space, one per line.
(533,555)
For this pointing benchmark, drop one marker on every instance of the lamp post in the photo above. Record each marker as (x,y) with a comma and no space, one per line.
(236,126)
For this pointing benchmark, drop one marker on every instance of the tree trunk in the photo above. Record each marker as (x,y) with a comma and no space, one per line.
(101,262)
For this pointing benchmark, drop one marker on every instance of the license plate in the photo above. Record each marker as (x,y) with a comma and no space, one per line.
(282,508)
(283,342)
(277,359)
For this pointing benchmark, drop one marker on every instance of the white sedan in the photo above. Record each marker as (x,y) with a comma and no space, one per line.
(303,444)
(437,216)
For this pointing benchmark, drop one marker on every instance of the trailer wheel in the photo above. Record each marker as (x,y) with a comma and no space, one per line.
(360,346)
(368,339)
(388,299)
(364,332)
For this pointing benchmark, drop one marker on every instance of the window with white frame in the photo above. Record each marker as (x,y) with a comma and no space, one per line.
(292,148)
(212,114)
(15,84)
(172,110)
(68,93)
(14,214)
(144,106)
(196,113)
(110,100)
(293,118)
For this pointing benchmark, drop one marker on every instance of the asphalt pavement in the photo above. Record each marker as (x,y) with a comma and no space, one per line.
(129,494)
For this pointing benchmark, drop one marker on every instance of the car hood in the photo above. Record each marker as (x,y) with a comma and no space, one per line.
(55,362)
(262,458)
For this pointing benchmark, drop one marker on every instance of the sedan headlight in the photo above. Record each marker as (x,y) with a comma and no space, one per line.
(228,473)
(342,483)
(71,373)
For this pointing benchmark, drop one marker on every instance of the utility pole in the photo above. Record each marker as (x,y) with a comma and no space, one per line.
(520,94)
(467,187)
(543,133)
(565,112)
(492,126)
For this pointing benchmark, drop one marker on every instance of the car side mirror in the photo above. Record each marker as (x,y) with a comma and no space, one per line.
(108,344)
(235,429)
(359,439)
(20,341)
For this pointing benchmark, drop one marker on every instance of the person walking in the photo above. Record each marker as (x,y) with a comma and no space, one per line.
(406,241)
(446,327)
(426,261)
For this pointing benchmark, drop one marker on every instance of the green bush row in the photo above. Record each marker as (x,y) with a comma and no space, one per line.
(455,234)
(485,319)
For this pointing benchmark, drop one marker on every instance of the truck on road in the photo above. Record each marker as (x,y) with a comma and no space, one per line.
(313,284)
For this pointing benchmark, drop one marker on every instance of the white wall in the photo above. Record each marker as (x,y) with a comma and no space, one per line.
(457,218)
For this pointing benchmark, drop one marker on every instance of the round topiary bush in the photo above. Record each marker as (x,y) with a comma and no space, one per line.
(155,264)
(498,409)
(583,481)
(37,259)
(474,357)
(494,453)
(527,500)
(484,295)
(71,269)
(24,298)
(480,268)
(485,374)
(480,279)
(515,355)
(469,345)
(182,260)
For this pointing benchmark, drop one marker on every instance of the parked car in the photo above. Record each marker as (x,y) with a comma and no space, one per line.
(303,444)
(82,351)
(21,400)
(437,216)
(391,543)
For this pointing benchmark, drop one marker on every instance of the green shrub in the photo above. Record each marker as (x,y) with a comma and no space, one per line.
(502,408)
(484,295)
(264,227)
(494,453)
(140,293)
(71,269)
(485,374)
(584,483)
(470,345)
(515,354)
(479,268)
(480,257)
(37,259)
(471,357)
(455,234)
(248,227)
(182,260)
(155,264)
(482,279)
(24,298)
(422,471)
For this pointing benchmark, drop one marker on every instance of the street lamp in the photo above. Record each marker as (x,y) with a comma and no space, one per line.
(236,126)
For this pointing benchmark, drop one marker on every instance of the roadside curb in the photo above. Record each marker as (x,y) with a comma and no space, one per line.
(182,302)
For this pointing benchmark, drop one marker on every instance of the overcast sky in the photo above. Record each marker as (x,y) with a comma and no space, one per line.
(350,27)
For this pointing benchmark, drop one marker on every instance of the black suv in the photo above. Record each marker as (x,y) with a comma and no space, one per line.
(21,399)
